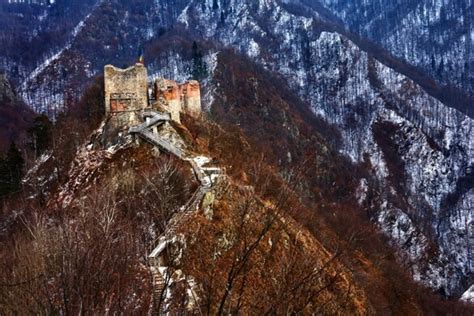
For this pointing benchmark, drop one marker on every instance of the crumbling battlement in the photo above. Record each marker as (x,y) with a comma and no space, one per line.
(168,96)
(126,94)
(178,98)
(125,89)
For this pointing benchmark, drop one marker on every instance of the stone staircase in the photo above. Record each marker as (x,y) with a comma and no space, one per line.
(161,143)
(159,286)
(204,175)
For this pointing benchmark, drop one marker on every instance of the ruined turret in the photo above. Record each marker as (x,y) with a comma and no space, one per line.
(176,98)
(191,93)
(168,96)
(126,92)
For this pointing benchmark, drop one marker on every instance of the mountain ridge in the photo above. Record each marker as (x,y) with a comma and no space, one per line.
(377,117)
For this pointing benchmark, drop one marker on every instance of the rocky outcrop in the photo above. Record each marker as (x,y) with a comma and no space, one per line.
(160,259)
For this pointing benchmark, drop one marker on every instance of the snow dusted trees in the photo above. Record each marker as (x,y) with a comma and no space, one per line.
(92,257)
(199,69)
(86,261)
(40,134)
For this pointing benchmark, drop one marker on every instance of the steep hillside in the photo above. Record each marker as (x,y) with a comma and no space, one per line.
(32,32)
(15,116)
(384,119)
(304,91)
(435,36)
(61,41)
(266,237)
(71,41)
(127,196)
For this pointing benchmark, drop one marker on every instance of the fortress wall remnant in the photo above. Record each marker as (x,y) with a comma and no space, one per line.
(191,93)
(125,89)
(176,98)
(168,93)
(127,93)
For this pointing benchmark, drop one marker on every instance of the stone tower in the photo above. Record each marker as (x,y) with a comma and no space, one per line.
(126,92)
(191,93)
(176,98)
(168,95)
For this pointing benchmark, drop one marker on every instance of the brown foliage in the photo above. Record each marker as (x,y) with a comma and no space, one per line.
(86,262)
(251,259)
(91,257)
(261,110)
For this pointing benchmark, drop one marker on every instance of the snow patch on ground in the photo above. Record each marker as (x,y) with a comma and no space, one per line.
(55,56)
(468,296)
(361,192)
(39,162)
(211,60)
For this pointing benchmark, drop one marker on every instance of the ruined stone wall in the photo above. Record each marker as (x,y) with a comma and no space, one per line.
(178,98)
(126,93)
(167,93)
(191,94)
(125,89)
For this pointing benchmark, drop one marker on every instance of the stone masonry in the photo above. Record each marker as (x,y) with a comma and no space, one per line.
(168,95)
(177,98)
(126,95)
(125,92)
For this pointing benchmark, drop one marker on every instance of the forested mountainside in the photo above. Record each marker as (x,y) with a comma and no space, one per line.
(15,116)
(422,160)
(43,40)
(436,36)
(70,41)
(408,152)
(281,229)
(32,31)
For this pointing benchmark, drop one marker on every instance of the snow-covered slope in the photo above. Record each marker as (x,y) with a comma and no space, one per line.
(468,296)
(434,35)
(421,151)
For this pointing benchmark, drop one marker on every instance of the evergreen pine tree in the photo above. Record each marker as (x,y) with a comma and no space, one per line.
(4,178)
(199,70)
(40,134)
(14,163)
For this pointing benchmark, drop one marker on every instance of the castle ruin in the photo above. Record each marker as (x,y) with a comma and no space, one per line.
(126,92)
(127,95)
(150,115)
(176,98)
